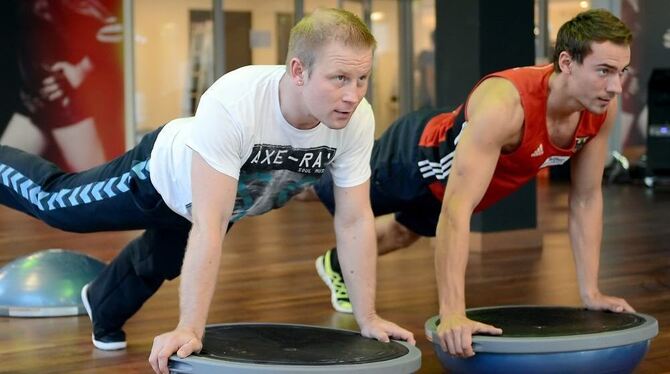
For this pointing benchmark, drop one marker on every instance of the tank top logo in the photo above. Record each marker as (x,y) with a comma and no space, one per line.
(539,151)
(554,160)
(579,143)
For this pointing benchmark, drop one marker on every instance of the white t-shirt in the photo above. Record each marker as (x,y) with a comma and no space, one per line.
(239,130)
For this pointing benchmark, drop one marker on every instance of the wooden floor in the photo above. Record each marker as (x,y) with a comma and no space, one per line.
(267,274)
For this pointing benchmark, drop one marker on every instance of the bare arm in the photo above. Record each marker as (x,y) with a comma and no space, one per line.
(212,208)
(586,218)
(357,253)
(495,119)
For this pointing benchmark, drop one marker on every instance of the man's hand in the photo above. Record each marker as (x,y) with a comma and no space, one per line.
(455,334)
(180,340)
(599,301)
(382,330)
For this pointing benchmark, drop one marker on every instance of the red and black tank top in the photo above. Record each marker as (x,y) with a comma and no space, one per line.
(536,151)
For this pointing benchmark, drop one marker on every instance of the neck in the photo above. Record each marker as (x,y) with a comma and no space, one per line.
(291,105)
(560,104)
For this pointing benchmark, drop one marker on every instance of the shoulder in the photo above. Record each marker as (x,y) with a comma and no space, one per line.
(494,90)
(496,100)
(251,72)
(246,80)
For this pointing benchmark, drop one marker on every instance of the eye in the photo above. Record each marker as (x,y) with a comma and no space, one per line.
(603,72)
(340,78)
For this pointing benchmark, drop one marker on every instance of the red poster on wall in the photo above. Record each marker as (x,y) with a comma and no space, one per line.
(70,104)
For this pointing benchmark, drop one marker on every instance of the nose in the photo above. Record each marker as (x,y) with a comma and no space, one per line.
(354,92)
(614,85)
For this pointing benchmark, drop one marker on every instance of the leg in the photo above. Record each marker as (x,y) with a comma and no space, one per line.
(395,183)
(392,235)
(114,196)
(130,279)
(308,194)
(414,218)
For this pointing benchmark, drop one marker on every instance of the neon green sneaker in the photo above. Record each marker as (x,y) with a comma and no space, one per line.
(339,296)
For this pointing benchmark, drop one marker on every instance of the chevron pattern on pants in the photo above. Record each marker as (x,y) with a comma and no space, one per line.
(86,194)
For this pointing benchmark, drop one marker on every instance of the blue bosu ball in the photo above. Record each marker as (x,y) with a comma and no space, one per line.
(542,339)
(46,283)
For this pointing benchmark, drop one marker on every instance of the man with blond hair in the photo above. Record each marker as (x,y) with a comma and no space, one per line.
(260,134)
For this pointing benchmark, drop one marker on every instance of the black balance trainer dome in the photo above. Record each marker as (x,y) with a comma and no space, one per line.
(553,321)
(253,347)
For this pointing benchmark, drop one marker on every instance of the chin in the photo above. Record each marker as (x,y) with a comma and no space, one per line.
(598,109)
(336,124)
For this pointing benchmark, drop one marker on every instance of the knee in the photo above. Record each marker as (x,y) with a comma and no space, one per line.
(404,237)
(160,256)
(307,194)
(396,236)
(166,265)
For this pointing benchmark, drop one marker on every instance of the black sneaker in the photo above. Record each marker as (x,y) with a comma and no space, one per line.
(107,341)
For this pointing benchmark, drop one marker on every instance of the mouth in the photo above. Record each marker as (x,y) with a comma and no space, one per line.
(342,113)
(604,100)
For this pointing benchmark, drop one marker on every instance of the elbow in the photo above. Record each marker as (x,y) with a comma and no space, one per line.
(206,235)
(580,199)
(347,222)
(347,217)
(455,214)
(585,204)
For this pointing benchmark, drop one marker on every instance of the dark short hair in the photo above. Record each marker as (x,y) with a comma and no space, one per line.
(595,25)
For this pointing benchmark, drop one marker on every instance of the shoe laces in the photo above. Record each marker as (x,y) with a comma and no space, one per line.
(340,287)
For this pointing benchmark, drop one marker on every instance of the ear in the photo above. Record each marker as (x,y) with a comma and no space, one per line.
(565,62)
(297,71)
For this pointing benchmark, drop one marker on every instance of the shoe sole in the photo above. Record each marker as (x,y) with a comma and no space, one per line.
(326,279)
(105,346)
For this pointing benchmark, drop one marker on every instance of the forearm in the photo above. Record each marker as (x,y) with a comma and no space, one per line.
(199,274)
(357,253)
(451,258)
(585,225)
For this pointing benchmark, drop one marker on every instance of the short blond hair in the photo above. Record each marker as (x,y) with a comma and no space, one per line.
(323,26)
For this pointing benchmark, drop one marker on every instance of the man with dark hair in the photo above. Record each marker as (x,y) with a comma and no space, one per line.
(433,169)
